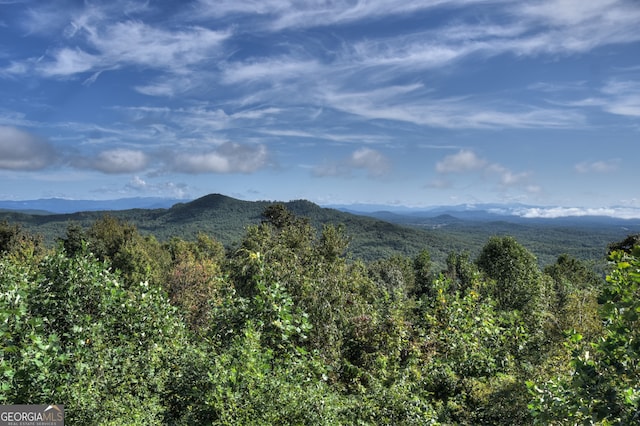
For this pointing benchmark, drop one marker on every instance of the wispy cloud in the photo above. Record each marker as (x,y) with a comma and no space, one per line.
(623,97)
(601,166)
(398,104)
(619,97)
(227,86)
(133,43)
(575,26)
(542,27)
(291,14)
(272,70)
(373,162)
(103,37)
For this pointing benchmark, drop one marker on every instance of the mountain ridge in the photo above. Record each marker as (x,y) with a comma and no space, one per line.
(226,219)
(64,205)
(477,211)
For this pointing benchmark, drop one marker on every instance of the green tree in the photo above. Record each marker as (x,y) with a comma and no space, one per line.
(15,241)
(603,384)
(74,240)
(461,271)
(395,276)
(515,272)
(195,280)
(31,356)
(72,331)
(575,297)
(139,258)
(423,275)
(120,340)
(474,352)
(627,245)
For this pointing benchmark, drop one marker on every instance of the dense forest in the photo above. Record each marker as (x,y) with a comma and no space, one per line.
(287,326)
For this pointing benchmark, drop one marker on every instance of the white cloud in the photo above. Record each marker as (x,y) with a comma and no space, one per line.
(105,36)
(541,27)
(165,88)
(331,169)
(439,184)
(20,150)
(69,62)
(555,212)
(227,158)
(116,161)
(172,189)
(574,26)
(47,18)
(288,14)
(508,177)
(371,160)
(288,133)
(616,97)
(271,70)
(137,183)
(602,166)
(134,43)
(461,162)
(623,97)
(414,104)
(407,52)
(467,161)
(367,159)
(570,12)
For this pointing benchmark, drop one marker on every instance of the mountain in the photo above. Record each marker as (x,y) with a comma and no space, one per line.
(62,205)
(516,212)
(227,218)
(387,233)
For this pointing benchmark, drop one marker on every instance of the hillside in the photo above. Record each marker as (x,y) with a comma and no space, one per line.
(226,219)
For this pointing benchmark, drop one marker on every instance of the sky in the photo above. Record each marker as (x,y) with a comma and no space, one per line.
(399,102)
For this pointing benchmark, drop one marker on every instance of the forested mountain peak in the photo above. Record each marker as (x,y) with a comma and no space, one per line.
(213,201)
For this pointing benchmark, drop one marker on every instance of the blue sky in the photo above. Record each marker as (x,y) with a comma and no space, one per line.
(399,102)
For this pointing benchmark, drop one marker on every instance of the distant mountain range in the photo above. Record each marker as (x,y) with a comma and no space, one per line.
(493,211)
(62,205)
(481,211)
(373,234)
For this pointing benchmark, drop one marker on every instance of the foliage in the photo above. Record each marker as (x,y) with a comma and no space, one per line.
(195,280)
(515,272)
(603,385)
(575,297)
(16,242)
(289,327)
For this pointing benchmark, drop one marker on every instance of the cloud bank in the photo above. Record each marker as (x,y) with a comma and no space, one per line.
(557,212)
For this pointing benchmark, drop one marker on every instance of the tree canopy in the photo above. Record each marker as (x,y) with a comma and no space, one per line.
(288,327)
